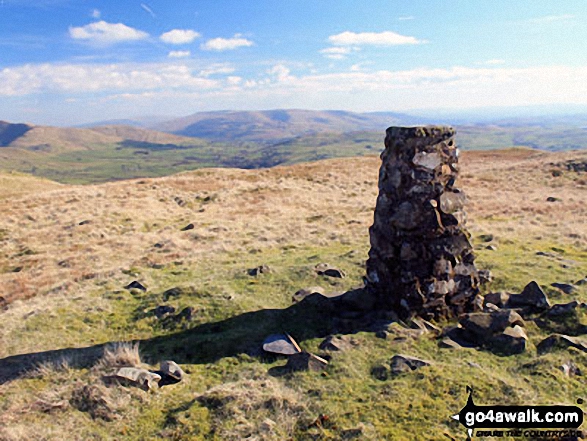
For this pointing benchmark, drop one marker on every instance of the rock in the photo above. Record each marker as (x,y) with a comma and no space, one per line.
(400,364)
(570,369)
(380,372)
(459,336)
(303,293)
(491,247)
(170,373)
(172,292)
(324,269)
(532,297)
(424,325)
(560,341)
(561,309)
(135,285)
(399,332)
(583,281)
(499,299)
(262,269)
(337,343)
(511,341)
(304,361)
(141,378)
(188,227)
(483,326)
(565,287)
(427,160)
(185,314)
(449,343)
(552,199)
(85,222)
(163,310)
(490,307)
(486,237)
(282,344)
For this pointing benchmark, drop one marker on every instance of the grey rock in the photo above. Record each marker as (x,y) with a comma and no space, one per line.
(188,227)
(483,326)
(135,285)
(511,341)
(451,201)
(262,269)
(565,287)
(305,292)
(324,269)
(304,361)
(172,292)
(281,344)
(427,160)
(400,364)
(162,311)
(337,343)
(424,325)
(570,369)
(583,281)
(499,299)
(171,369)
(380,372)
(560,341)
(561,309)
(531,297)
(139,377)
(449,343)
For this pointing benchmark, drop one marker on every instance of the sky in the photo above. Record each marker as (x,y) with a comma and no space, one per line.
(68,62)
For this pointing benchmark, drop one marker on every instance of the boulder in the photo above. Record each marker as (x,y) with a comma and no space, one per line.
(172,292)
(483,326)
(141,378)
(261,269)
(282,344)
(561,309)
(162,311)
(565,287)
(583,281)
(170,373)
(337,343)
(570,369)
(511,341)
(560,341)
(532,298)
(400,364)
(304,361)
(499,299)
(305,292)
(135,285)
(324,269)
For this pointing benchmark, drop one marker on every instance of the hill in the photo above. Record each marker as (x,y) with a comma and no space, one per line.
(67,252)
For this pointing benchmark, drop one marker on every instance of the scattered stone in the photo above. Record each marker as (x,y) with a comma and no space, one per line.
(304,361)
(381,372)
(570,369)
(141,378)
(303,293)
(511,341)
(337,343)
(402,363)
(401,333)
(324,269)
(565,287)
(552,199)
(85,222)
(490,307)
(282,344)
(484,326)
(499,299)
(172,292)
(382,334)
(545,254)
(188,227)
(185,314)
(486,237)
(135,285)
(170,373)
(532,297)
(162,311)
(262,269)
(491,247)
(457,335)
(424,325)
(560,341)
(418,228)
(449,343)
(561,309)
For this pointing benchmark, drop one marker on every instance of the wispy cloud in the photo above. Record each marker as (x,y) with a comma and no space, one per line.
(179,54)
(148,10)
(106,33)
(550,19)
(216,69)
(226,44)
(96,13)
(336,53)
(386,38)
(493,62)
(406,17)
(179,36)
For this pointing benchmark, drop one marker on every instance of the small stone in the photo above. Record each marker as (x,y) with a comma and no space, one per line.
(424,325)
(382,334)
(139,377)
(171,369)
(163,310)
(449,343)
(324,269)
(85,222)
(499,299)
(491,247)
(486,237)
(532,297)
(511,341)
(483,326)
(172,292)
(400,364)
(570,369)
(281,344)
(188,227)
(336,343)
(561,309)
(135,285)
(380,372)
(427,160)
(185,314)
(305,292)
(560,341)
(262,269)
(564,287)
(583,281)
(450,202)
(552,199)
(304,361)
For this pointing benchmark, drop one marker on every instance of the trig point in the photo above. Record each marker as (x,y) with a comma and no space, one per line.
(421,262)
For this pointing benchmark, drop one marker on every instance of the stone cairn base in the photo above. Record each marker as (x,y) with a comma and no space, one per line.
(421,261)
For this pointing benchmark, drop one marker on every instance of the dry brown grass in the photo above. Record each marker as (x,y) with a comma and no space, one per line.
(120,355)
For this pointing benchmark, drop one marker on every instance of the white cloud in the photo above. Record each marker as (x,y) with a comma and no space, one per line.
(216,69)
(494,62)
(387,38)
(234,80)
(406,17)
(335,53)
(96,13)
(106,33)
(550,19)
(226,44)
(179,36)
(148,10)
(280,71)
(179,54)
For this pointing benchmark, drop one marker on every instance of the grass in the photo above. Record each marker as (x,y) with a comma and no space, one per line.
(289,218)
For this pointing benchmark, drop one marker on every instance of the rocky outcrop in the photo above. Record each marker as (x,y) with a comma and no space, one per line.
(421,261)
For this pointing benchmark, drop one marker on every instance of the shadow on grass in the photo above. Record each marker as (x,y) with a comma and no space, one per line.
(315,316)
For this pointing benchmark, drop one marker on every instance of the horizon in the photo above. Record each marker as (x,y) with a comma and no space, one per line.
(95,61)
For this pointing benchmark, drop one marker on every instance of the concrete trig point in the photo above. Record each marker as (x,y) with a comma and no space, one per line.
(421,261)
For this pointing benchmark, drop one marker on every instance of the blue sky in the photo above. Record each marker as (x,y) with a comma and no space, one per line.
(74,61)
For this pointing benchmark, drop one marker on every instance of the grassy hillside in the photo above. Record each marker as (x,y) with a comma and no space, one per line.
(67,252)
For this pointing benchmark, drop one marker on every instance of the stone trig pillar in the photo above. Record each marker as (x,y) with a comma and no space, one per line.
(421,262)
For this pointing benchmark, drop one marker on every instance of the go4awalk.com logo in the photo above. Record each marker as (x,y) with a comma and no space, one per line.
(542,422)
